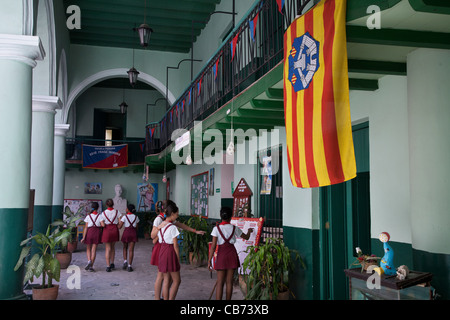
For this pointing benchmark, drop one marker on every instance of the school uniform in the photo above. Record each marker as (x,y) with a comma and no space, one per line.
(227,257)
(130,233)
(168,260)
(157,246)
(111,218)
(94,229)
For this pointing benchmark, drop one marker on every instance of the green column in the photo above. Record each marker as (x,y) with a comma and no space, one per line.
(42,149)
(59,170)
(18,55)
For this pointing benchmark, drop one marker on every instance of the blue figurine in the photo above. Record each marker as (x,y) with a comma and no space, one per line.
(387,262)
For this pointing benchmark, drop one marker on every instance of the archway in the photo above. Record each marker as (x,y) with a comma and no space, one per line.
(107,74)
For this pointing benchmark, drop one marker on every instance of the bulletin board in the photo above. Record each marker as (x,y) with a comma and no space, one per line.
(241,245)
(199,194)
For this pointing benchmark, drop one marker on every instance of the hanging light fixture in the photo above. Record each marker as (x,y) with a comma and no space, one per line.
(133,74)
(123,106)
(144,30)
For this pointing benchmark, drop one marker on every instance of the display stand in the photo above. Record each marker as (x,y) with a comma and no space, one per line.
(242,200)
(415,287)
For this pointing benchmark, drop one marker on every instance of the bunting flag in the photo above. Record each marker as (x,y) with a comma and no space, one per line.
(182,105)
(217,67)
(199,86)
(280,4)
(316,98)
(190,94)
(233,45)
(252,23)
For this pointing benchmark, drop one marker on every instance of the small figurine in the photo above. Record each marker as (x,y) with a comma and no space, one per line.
(402,272)
(387,262)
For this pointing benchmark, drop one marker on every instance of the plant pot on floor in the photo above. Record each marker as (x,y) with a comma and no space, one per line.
(194,261)
(64,259)
(40,293)
(72,246)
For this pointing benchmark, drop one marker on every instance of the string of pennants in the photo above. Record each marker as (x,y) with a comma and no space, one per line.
(187,101)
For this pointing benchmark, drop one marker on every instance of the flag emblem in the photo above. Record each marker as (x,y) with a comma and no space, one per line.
(303,61)
(319,140)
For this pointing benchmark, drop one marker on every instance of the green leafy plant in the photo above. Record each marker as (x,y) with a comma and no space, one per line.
(197,244)
(43,262)
(268,267)
(69,222)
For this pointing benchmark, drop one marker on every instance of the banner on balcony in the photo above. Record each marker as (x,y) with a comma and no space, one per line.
(316,98)
(105,157)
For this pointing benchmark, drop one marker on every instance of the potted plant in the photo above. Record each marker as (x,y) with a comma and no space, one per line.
(69,221)
(267,269)
(43,263)
(196,246)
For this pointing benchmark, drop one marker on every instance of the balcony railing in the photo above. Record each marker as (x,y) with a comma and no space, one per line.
(252,49)
(136,148)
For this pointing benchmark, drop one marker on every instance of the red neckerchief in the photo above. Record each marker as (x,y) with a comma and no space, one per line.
(94,212)
(224,222)
(110,209)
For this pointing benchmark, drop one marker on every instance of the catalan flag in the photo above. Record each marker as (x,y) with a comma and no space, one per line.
(316,98)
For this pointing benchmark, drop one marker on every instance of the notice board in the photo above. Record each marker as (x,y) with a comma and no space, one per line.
(199,194)
(241,245)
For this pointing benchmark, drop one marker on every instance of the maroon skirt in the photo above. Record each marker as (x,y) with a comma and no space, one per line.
(129,235)
(168,260)
(110,233)
(227,257)
(155,254)
(93,235)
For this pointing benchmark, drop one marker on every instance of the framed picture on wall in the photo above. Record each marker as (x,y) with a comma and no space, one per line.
(92,188)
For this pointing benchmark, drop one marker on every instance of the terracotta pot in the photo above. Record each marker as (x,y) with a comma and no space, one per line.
(242,285)
(64,259)
(72,246)
(46,293)
(193,260)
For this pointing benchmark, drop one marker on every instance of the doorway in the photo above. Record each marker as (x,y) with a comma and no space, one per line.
(270,192)
(109,126)
(345,221)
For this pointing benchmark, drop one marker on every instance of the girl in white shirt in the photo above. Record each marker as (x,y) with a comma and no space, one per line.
(129,236)
(227,261)
(109,220)
(169,254)
(92,235)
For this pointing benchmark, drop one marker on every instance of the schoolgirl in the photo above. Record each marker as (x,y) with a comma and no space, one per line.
(129,236)
(109,220)
(227,260)
(169,254)
(159,223)
(92,235)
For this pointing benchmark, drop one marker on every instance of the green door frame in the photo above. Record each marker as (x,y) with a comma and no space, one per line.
(341,226)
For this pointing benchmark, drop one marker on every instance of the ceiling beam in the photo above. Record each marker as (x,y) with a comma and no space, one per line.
(377,67)
(363,84)
(397,37)
(431,6)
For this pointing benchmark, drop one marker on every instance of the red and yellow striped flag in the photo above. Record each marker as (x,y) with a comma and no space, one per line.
(316,98)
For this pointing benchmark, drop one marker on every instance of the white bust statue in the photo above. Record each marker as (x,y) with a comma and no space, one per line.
(119,202)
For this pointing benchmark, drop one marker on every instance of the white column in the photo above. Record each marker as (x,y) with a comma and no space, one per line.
(59,169)
(42,153)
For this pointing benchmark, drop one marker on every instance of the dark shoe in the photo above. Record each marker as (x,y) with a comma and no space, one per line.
(91,269)
(112,266)
(125,265)
(88,266)
(130,269)
(108,269)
